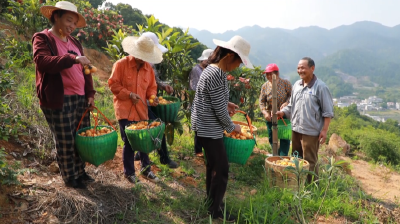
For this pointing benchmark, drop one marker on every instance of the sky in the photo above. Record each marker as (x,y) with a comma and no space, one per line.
(218,16)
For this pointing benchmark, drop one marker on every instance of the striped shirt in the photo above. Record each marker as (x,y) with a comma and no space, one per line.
(210,115)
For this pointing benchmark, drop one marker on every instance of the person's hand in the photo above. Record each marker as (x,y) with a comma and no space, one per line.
(267,116)
(168,89)
(91,103)
(284,105)
(155,102)
(280,114)
(83,60)
(134,97)
(232,108)
(238,129)
(322,137)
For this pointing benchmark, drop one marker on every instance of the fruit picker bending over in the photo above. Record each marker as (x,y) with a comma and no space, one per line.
(210,117)
(163,151)
(132,82)
(284,90)
(63,90)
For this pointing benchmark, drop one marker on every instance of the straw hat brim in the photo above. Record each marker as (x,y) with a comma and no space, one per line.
(245,58)
(48,10)
(129,45)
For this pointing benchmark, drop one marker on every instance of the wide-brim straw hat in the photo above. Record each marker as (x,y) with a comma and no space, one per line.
(48,10)
(205,55)
(143,48)
(154,37)
(238,45)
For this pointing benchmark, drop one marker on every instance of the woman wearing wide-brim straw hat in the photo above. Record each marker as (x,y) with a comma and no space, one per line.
(63,90)
(210,117)
(132,81)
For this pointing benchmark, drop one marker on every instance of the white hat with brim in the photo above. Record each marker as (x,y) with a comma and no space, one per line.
(238,45)
(142,48)
(205,55)
(48,10)
(155,40)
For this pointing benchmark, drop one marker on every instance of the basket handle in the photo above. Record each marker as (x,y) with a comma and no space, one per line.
(247,118)
(283,120)
(95,118)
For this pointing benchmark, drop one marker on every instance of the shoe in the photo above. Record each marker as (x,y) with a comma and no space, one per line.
(137,157)
(172,164)
(148,174)
(75,184)
(132,179)
(86,178)
(228,217)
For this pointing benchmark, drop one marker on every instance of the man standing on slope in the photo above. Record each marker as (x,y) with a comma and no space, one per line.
(310,109)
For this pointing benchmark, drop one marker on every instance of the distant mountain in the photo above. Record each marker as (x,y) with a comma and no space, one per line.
(361,49)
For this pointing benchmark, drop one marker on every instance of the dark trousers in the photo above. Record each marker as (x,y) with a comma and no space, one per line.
(163,151)
(217,169)
(128,154)
(284,143)
(197,146)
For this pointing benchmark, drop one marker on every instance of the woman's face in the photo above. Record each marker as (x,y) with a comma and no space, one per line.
(233,62)
(67,22)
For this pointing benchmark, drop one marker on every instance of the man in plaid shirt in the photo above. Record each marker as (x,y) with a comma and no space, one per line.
(284,90)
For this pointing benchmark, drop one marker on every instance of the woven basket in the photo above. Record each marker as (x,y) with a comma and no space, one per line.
(284,131)
(169,112)
(96,150)
(145,140)
(281,178)
(238,151)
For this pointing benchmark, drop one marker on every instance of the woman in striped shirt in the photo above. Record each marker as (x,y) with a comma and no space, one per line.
(210,117)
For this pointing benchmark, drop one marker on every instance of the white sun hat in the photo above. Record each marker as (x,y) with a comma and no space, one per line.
(238,45)
(143,48)
(205,55)
(154,37)
(47,11)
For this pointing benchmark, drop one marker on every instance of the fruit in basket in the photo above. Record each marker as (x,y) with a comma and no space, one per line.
(143,125)
(243,135)
(95,132)
(285,162)
(163,101)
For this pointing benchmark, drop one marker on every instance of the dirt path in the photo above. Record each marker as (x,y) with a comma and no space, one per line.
(378,181)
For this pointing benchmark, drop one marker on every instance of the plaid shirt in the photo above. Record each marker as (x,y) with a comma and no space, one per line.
(284,90)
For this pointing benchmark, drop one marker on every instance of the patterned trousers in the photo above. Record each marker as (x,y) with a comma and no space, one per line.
(63,123)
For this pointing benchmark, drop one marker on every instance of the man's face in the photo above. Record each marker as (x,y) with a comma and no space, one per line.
(204,63)
(304,71)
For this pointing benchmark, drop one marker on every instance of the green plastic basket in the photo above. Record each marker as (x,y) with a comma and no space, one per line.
(145,140)
(284,131)
(96,150)
(169,112)
(238,151)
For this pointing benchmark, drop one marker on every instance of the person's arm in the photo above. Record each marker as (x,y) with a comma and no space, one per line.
(194,77)
(263,103)
(220,108)
(115,82)
(152,88)
(324,131)
(45,62)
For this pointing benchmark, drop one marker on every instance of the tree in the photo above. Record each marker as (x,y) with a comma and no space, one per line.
(132,16)
(96,3)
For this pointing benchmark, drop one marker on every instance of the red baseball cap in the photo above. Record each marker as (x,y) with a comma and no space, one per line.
(271,68)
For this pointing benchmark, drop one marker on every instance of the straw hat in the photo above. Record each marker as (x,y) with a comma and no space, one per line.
(205,55)
(48,10)
(155,40)
(143,48)
(238,45)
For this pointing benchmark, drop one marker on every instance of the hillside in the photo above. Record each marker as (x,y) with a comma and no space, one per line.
(361,49)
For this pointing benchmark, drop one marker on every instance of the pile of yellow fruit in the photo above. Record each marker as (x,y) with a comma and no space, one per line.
(90,69)
(93,133)
(285,162)
(143,125)
(243,135)
(161,100)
